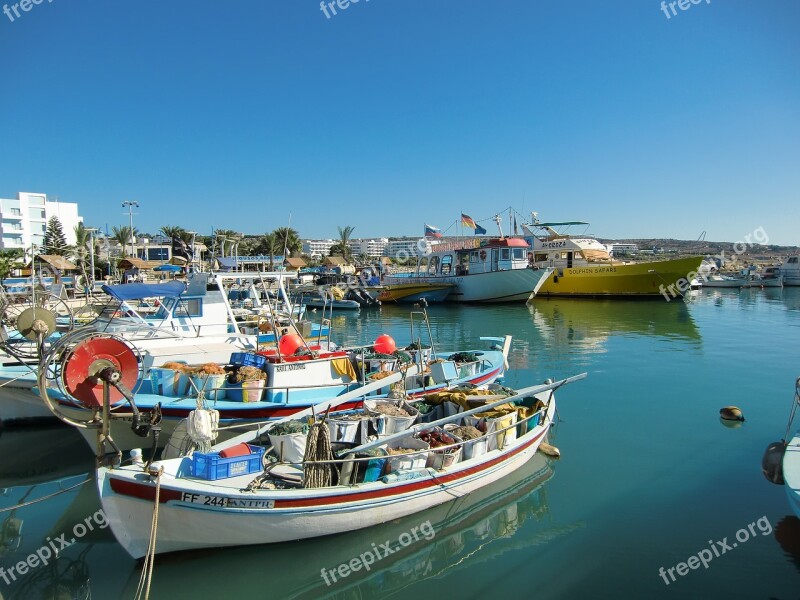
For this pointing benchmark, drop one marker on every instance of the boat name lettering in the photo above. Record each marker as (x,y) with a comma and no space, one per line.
(203,499)
(560,244)
(296,367)
(592,270)
(241,503)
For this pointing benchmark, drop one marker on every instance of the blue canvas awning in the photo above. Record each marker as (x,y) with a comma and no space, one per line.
(137,291)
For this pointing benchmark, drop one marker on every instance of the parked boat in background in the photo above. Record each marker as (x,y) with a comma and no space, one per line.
(414,292)
(790,270)
(760,280)
(718,280)
(491,270)
(583,267)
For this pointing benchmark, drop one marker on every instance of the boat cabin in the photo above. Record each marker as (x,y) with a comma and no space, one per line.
(454,260)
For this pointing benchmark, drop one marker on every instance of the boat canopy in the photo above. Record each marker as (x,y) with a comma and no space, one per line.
(138,291)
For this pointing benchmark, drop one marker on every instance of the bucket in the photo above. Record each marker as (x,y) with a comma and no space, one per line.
(344,430)
(412,461)
(213,386)
(168,382)
(290,447)
(393,424)
(246,391)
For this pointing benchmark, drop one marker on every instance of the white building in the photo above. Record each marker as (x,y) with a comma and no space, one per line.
(622,249)
(374,248)
(23,220)
(317,248)
(400,249)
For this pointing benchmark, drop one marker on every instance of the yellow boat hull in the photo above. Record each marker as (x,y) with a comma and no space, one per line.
(667,278)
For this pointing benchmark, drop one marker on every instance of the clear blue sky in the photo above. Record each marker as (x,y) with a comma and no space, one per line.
(394,113)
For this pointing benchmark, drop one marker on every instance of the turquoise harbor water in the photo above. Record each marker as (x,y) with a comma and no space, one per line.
(649,476)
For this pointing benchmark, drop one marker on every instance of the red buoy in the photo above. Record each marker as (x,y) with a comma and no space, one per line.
(384,344)
(289,343)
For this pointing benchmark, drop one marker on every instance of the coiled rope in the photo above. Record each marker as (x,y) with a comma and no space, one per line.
(318,447)
(143,589)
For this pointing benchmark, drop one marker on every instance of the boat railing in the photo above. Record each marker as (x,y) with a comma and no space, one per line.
(439,449)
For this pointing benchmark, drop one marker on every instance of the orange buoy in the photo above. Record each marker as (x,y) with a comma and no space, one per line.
(384,344)
(289,343)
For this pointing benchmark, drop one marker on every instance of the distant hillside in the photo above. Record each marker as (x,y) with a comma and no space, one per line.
(754,252)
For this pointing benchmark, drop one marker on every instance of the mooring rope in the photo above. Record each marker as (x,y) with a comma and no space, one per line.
(318,447)
(143,589)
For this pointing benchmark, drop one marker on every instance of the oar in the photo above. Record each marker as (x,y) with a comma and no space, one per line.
(535,389)
(321,407)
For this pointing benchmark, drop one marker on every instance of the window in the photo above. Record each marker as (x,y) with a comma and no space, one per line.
(447,264)
(519,253)
(793,260)
(192,307)
(505,254)
(433,265)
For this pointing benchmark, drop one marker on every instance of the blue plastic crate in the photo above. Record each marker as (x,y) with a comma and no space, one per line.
(248,359)
(210,466)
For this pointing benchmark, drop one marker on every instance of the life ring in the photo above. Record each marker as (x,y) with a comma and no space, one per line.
(483,254)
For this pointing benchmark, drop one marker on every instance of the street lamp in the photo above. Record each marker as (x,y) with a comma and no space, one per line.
(130,204)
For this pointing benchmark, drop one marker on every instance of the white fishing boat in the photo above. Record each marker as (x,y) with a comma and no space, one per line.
(490,270)
(194,511)
(717,280)
(200,321)
(761,280)
(781,461)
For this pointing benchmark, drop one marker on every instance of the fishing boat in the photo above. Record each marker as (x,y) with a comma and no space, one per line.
(198,321)
(761,281)
(415,292)
(781,461)
(719,280)
(196,509)
(491,270)
(294,375)
(582,266)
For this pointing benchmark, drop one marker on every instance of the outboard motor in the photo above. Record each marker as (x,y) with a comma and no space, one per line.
(772,462)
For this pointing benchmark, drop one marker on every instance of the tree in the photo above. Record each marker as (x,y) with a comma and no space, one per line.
(268,244)
(54,240)
(223,237)
(122,235)
(288,241)
(80,250)
(344,239)
(171,231)
(9,260)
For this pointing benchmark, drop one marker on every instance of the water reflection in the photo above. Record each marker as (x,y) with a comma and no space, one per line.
(473,528)
(587,324)
(42,454)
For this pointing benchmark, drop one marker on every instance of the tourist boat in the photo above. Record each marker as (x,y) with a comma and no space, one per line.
(200,321)
(415,292)
(194,512)
(781,461)
(583,267)
(490,270)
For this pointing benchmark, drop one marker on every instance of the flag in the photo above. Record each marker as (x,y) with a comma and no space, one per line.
(432,232)
(479,230)
(467,221)
(180,249)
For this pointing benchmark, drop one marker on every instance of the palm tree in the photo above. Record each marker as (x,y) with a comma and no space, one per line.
(122,235)
(9,260)
(221,236)
(80,250)
(288,241)
(344,239)
(268,244)
(171,231)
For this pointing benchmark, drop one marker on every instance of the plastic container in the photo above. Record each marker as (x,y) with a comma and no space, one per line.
(498,441)
(290,447)
(213,386)
(412,461)
(211,466)
(246,391)
(248,359)
(168,382)
(471,448)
